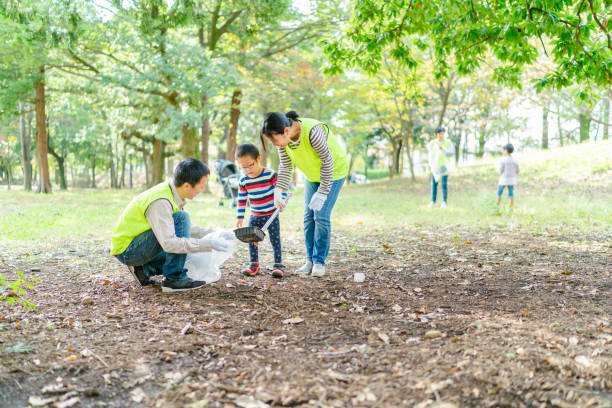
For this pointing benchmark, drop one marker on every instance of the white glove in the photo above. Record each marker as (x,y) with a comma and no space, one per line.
(280,200)
(317,201)
(216,244)
(227,235)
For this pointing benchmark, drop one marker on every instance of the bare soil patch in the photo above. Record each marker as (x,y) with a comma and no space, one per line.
(496,318)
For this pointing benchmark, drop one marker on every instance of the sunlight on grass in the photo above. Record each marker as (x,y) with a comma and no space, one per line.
(568,187)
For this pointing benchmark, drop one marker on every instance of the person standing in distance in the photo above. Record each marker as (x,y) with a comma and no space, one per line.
(440,150)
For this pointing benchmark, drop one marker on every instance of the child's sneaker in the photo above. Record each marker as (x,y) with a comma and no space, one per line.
(279,270)
(252,269)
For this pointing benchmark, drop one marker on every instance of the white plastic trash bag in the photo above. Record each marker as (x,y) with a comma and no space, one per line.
(204,266)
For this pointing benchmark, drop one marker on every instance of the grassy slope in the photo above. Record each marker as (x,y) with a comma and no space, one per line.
(565,188)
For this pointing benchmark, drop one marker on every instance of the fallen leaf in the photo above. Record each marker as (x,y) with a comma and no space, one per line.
(295,320)
(432,334)
(36,401)
(383,337)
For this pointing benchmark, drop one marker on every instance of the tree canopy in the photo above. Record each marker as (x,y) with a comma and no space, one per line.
(505,34)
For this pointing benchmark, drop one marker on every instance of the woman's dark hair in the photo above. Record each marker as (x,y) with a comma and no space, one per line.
(509,148)
(275,123)
(190,171)
(247,149)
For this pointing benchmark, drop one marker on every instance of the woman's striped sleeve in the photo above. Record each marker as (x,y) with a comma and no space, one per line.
(318,141)
(285,168)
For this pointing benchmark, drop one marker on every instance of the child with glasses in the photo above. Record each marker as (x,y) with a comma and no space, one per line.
(257,186)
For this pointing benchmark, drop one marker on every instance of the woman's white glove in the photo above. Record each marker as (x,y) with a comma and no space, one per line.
(317,201)
(280,198)
(217,244)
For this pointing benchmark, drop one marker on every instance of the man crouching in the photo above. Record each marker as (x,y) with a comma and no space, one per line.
(153,234)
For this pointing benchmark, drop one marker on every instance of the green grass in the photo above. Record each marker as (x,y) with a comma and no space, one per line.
(561,188)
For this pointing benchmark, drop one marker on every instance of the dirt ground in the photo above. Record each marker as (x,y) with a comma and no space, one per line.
(497,318)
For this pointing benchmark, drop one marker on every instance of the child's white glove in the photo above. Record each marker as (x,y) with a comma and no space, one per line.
(280,198)
(317,201)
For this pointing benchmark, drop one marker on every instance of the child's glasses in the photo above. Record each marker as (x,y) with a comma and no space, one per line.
(247,167)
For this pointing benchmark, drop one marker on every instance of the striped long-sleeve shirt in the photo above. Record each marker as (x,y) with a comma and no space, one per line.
(318,140)
(259,191)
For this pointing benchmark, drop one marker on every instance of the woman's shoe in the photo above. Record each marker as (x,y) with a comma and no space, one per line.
(305,269)
(318,270)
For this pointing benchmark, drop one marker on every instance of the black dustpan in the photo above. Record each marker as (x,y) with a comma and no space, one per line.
(254,234)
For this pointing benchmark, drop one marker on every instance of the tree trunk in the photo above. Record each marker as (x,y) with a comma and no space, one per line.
(606,117)
(545,126)
(123,161)
(93,170)
(145,158)
(189,143)
(205,136)
(61,168)
(41,136)
(233,128)
(481,144)
(585,124)
(111,166)
(25,150)
(444,99)
(396,152)
(350,168)
(158,162)
(131,176)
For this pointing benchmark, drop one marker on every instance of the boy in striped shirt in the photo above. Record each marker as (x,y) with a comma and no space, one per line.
(257,186)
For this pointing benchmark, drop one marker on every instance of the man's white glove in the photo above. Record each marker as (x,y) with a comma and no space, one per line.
(280,198)
(317,201)
(227,235)
(217,244)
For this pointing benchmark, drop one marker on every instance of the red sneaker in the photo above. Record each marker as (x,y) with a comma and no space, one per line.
(252,269)
(278,271)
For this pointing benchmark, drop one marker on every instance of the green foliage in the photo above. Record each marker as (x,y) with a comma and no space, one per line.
(13,291)
(470,34)
(22,348)
(375,174)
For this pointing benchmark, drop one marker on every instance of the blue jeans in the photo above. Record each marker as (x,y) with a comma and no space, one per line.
(317,226)
(273,234)
(145,250)
(434,188)
(500,191)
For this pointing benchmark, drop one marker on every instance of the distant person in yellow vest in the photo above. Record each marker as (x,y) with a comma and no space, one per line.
(440,150)
(311,146)
(153,234)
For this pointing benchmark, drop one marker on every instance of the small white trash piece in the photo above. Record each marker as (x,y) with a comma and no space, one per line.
(204,266)
(359,277)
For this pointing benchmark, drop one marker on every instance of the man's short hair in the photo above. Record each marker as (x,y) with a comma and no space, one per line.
(190,171)
(509,148)
(440,129)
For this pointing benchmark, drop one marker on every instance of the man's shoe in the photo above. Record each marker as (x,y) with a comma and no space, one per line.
(279,270)
(252,269)
(318,270)
(305,269)
(140,275)
(179,285)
